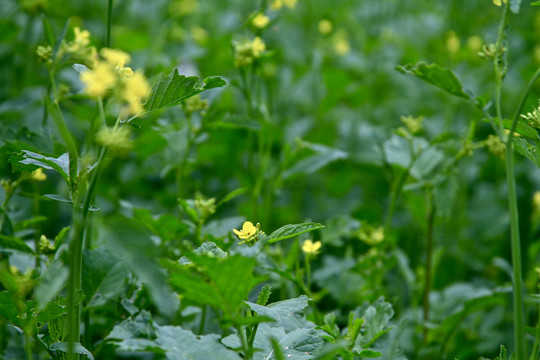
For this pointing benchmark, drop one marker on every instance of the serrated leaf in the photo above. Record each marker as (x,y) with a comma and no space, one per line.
(441,77)
(323,156)
(264,295)
(8,308)
(528,150)
(103,276)
(367,353)
(207,248)
(299,344)
(522,128)
(172,89)
(77,348)
(30,161)
(292,230)
(14,243)
(51,282)
(221,283)
(287,314)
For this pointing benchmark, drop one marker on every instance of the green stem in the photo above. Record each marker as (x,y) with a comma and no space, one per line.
(429,260)
(109,24)
(519,328)
(534,351)
(76,246)
(203,319)
(243,341)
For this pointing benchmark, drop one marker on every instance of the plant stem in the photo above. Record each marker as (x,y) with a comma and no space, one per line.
(203,319)
(243,341)
(76,246)
(498,61)
(429,259)
(109,24)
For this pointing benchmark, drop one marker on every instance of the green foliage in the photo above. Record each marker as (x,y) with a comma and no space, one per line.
(172,89)
(289,231)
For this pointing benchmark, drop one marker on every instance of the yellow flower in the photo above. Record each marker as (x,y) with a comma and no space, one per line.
(258,46)
(498,2)
(536,200)
(452,43)
(98,80)
(310,247)
(247,232)
(136,89)
(475,43)
(260,21)
(115,57)
(39,175)
(342,47)
(325,27)
(290,3)
(276,4)
(81,37)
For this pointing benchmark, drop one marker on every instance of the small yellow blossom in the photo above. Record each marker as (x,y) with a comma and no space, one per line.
(115,57)
(342,47)
(290,3)
(371,235)
(452,43)
(258,46)
(82,38)
(498,2)
(495,146)
(413,124)
(475,43)
(310,247)
(248,231)
(260,21)
(276,4)
(325,27)
(536,201)
(136,89)
(39,175)
(98,80)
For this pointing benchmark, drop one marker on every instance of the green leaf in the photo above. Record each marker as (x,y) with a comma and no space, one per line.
(287,314)
(223,283)
(207,248)
(503,354)
(180,344)
(443,78)
(30,161)
(172,89)
(103,276)
(522,128)
(323,156)
(376,318)
(292,230)
(14,243)
(528,150)
(77,347)
(8,308)
(51,283)
(264,295)
(141,334)
(299,344)
(367,353)
(232,195)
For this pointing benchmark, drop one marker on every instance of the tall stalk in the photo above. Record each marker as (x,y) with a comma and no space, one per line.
(500,70)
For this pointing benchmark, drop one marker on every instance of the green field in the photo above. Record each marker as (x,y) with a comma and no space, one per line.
(269,179)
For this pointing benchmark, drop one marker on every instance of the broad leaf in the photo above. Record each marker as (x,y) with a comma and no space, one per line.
(172,89)
(77,347)
(528,150)
(292,230)
(103,276)
(223,283)
(51,283)
(441,77)
(323,156)
(14,243)
(30,161)
(8,308)
(287,314)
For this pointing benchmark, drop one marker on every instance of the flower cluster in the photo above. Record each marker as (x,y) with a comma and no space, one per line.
(533,118)
(246,51)
(110,75)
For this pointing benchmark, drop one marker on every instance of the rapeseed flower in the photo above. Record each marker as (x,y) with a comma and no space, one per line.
(498,2)
(39,175)
(98,80)
(135,88)
(260,21)
(249,233)
(310,247)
